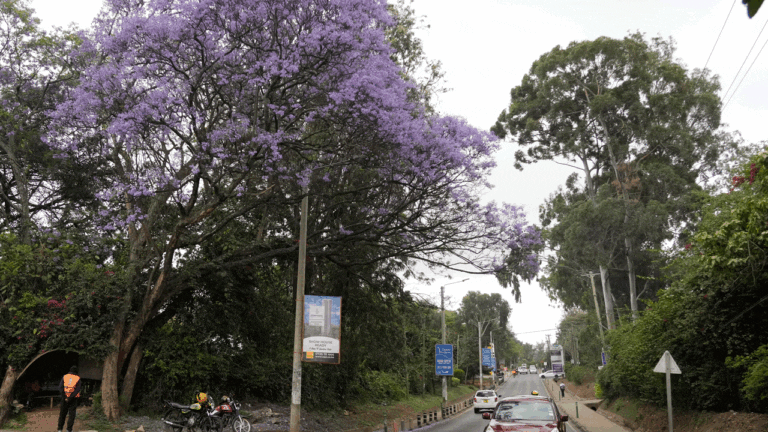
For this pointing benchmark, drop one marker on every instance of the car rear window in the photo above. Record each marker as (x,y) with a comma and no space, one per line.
(525,410)
(485,394)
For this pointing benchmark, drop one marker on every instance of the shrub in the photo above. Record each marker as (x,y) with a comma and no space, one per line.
(598,391)
(455,382)
(382,386)
(459,374)
(579,374)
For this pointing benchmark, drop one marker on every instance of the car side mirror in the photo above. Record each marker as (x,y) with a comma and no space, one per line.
(564,418)
(487,416)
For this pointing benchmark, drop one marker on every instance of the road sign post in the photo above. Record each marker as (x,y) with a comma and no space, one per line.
(667,365)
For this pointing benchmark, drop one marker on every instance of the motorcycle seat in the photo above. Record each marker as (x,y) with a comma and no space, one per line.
(178,405)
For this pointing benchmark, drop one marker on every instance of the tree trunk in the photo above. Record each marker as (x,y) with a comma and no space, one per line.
(632,279)
(608,296)
(110,377)
(6,394)
(129,381)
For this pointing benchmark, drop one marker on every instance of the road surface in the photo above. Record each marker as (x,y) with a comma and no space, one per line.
(468,421)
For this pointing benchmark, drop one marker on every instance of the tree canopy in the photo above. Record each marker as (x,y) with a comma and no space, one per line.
(200,126)
(639,129)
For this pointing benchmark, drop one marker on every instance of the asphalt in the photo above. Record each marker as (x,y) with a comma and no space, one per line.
(579,412)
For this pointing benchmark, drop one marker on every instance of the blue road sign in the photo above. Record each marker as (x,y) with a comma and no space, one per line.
(444,360)
(604,358)
(487,359)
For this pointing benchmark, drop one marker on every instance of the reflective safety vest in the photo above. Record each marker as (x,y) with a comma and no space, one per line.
(70,384)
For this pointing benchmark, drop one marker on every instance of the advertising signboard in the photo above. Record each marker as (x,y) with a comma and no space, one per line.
(444,360)
(556,356)
(322,329)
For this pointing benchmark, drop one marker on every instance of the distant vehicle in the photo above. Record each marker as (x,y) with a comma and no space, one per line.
(485,400)
(532,369)
(525,412)
(522,370)
(551,374)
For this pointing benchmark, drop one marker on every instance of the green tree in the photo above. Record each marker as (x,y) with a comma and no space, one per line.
(752,6)
(714,310)
(636,125)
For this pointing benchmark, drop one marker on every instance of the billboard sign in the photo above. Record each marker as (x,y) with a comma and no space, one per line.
(444,360)
(322,330)
(556,356)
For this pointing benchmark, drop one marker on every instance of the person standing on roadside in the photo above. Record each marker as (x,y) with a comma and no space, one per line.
(69,387)
(562,389)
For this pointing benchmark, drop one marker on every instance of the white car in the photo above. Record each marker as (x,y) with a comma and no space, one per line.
(551,374)
(521,370)
(532,369)
(485,400)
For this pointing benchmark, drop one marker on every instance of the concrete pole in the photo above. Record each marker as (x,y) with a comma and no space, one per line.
(442,308)
(480,353)
(295,419)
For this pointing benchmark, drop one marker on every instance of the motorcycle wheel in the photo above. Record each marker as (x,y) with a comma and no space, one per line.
(173,415)
(241,425)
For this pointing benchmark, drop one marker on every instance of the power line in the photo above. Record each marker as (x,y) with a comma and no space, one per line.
(745,74)
(745,61)
(537,331)
(720,34)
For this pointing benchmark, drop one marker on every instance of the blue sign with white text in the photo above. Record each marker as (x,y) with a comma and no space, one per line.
(487,359)
(444,360)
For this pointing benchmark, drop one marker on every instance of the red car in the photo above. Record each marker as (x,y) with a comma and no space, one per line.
(525,413)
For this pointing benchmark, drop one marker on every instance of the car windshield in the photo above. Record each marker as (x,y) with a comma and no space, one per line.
(525,410)
(485,394)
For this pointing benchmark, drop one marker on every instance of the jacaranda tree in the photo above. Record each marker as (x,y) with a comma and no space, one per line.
(211,111)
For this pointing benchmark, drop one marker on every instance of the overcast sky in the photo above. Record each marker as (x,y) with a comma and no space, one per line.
(486,46)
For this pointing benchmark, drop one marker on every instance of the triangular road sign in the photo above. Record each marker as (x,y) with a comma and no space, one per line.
(665,359)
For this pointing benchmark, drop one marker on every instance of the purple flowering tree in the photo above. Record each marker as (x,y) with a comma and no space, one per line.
(208,112)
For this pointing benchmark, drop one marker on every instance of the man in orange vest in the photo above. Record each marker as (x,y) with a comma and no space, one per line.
(69,387)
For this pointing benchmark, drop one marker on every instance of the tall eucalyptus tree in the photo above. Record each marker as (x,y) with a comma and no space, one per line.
(632,120)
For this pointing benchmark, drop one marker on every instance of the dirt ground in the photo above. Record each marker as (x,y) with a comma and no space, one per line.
(46,419)
(647,418)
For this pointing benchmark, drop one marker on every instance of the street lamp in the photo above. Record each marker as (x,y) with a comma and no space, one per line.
(442,307)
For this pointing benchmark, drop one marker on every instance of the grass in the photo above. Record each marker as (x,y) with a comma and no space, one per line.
(373,414)
(16,421)
(96,420)
(627,408)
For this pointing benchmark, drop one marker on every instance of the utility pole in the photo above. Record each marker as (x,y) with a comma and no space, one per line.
(442,308)
(480,353)
(480,332)
(295,419)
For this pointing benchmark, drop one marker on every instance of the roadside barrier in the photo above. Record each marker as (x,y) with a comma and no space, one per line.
(423,418)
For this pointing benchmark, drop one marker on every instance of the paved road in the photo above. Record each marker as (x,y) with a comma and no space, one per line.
(468,421)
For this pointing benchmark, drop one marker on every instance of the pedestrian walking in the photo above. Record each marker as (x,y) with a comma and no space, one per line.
(562,389)
(69,387)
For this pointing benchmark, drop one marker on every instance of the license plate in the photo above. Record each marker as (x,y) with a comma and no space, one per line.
(485,400)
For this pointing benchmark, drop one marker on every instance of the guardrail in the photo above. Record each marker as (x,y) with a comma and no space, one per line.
(423,418)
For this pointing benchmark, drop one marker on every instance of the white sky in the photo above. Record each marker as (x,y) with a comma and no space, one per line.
(486,46)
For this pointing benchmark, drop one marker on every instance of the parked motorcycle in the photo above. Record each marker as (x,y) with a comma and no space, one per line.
(229,411)
(197,417)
